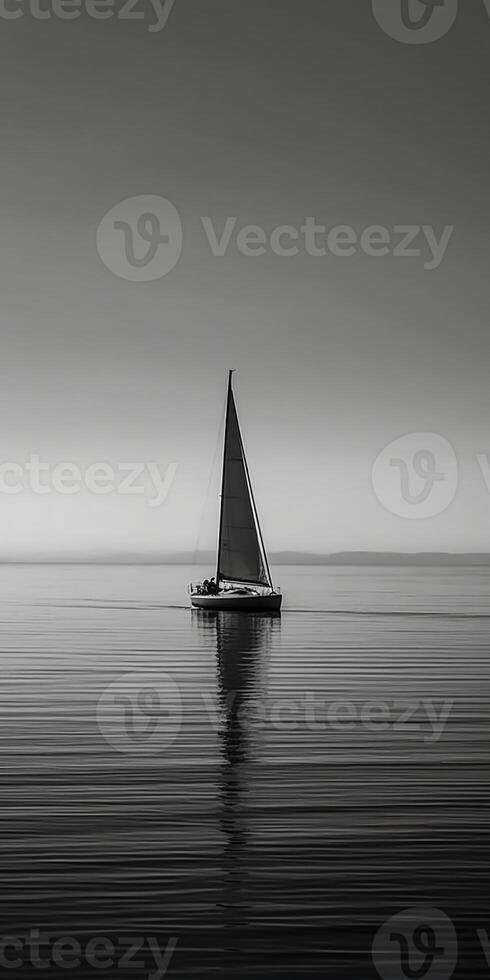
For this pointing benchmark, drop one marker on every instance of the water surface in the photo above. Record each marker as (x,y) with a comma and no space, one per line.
(266,791)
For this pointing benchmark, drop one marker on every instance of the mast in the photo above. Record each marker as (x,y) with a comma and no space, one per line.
(220,533)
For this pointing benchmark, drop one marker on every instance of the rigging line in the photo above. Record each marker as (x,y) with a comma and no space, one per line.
(208,491)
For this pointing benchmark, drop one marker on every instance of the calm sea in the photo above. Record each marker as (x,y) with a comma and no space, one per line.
(253,796)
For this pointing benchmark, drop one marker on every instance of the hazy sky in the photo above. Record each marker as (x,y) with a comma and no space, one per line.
(269,111)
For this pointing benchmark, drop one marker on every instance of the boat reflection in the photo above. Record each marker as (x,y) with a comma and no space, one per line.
(243,647)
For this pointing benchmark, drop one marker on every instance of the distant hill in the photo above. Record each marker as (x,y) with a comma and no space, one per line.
(435,558)
(359,558)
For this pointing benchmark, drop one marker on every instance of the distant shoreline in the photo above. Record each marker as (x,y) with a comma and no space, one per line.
(286,558)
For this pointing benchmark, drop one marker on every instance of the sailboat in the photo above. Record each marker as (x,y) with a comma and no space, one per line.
(243,577)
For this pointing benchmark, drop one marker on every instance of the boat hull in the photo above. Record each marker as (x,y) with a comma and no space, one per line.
(238,603)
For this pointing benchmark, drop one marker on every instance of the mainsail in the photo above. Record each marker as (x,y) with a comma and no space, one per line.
(241,555)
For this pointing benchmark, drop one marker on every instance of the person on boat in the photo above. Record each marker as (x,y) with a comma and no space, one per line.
(213,587)
(205,587)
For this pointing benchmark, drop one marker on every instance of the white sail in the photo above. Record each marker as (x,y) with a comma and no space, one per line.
(241,557)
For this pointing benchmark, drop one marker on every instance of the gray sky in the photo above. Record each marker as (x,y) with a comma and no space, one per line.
(269,111)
